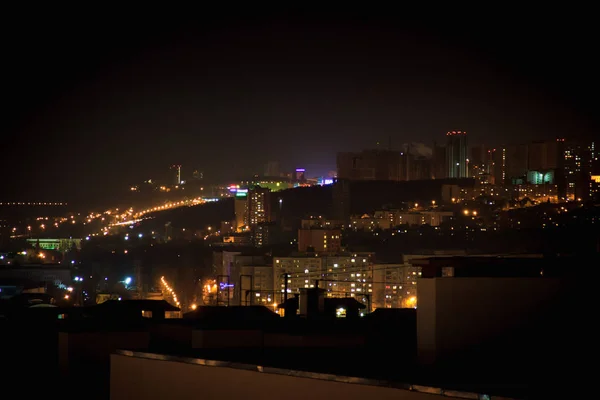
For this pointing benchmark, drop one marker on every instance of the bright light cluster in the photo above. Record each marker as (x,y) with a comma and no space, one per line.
(170,290)
(196,201)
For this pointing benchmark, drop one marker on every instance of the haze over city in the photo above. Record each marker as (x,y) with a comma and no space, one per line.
(118,102)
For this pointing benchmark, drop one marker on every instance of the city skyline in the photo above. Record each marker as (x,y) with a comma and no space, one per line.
(317,203)
(521,159)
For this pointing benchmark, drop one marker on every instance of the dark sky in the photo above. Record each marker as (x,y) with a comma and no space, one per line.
(95,103)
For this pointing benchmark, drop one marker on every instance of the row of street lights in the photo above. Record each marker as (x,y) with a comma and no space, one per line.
(170,290)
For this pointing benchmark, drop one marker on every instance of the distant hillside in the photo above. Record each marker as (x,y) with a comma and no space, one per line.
(196,217)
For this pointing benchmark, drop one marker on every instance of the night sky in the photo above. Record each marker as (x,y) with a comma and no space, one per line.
(95,105)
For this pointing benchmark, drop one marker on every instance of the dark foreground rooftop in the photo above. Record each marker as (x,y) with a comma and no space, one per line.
(379,347)
(263,369)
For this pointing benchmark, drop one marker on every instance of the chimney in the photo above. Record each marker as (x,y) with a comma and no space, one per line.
(312,302)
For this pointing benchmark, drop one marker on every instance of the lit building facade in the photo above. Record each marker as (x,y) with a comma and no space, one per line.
(457,154)
(273,184)
(384,220)
(263,233)
(432,218)
(321,241)
(352,275)
(367,222)
(176,168)
(301,272)
(256,285)
(395,285)
(577,163)
(320,222)
(236,275)
(498,170)
(595,172)
(482,163)
(241,210)
(340,276)
(541,193)
(259,206)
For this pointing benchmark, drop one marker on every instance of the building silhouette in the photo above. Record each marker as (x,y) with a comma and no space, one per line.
(380,165)
(457,154)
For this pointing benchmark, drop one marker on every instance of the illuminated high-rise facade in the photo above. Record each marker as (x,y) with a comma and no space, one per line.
(457,155)
(577,164)
(177,174)
(595,172)
(241,209)
(259,206)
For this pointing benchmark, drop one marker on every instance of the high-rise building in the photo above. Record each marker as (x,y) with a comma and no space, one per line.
(300,175)
(414,165)
(498,168)
(383,165)
(272,169)
(456,154)
(543,155)
(176,168)
(340,276)
(241,209)
(526,160)
(418,168)
(595,172)
(544,165)
(477,157)
(576,172)
(481,164)
(438,162)
(516,158)
(263,233)
(594,162)
(259,206)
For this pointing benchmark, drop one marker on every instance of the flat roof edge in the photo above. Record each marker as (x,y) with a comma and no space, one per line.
(311,375)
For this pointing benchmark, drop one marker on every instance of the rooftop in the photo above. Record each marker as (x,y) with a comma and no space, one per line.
(134,305)
(467,393)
